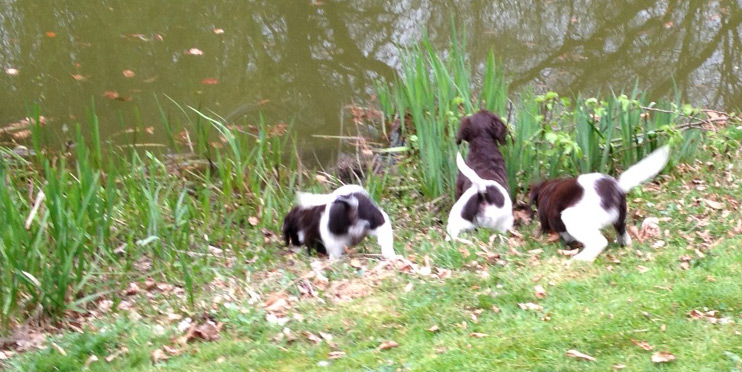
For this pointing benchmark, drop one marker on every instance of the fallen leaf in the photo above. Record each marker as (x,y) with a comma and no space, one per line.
(194,52)
(116,354)
(11,71)
(663,357)
(695,314)
(434,328)
(209,81)
(496,309)
(408,287)
(642,344)
(336,354)
(312,337)
(50,34)
(253,220)
(478,335)
(79,77)
(158,356)
(328,339)
(218,31)
(539,291)
(618,366)
(91,359)
(128,73)
(642,269)
(576,354)
(58,348)
(530,306)
(568,252)
(714,204)
(387,345)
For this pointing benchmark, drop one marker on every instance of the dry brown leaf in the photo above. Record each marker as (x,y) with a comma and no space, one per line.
(128,73)
(79,77)
(194,52)
(714,204)
(642,269)
(643,344)
(387,345)
(312,337)
(530,306)
(576,354)
(218,31)
(663,357)
(568,252)
(496,309)
(539,291)
(336,354)
(408,287)
(434,328)
(253,220)
(209,81)
(91,359)
(158,355)
(478,335)
(618,366)
(116,354)
(328,339)
(58,348)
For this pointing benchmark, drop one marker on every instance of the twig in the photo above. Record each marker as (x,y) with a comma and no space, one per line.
(37,204)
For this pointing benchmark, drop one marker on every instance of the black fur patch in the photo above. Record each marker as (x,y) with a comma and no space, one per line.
(611,197)
(471,208)
(342,216)
(493,196)
(368,211)
(307,221)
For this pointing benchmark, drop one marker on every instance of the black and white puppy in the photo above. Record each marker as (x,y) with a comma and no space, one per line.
(482,196)
(332,222)
(578,208)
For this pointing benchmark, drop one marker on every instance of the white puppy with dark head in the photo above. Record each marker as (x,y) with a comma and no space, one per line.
(338,220)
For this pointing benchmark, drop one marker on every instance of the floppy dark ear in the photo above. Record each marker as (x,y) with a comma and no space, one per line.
(464,134)
(533,194)
(499,130)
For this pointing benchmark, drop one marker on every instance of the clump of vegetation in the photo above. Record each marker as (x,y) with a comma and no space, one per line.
(551,135)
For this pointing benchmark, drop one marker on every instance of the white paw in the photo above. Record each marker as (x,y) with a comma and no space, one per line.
(583,257)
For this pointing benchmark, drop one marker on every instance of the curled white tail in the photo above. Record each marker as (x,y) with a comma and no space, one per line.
(470,173)
(644,170)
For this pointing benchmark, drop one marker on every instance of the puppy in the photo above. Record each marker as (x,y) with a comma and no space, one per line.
(482,195)
(577,208)
(331,222)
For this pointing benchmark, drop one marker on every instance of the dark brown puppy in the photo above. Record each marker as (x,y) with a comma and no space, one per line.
(484,131)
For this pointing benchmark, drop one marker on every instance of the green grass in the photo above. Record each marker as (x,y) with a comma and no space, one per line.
(639,293)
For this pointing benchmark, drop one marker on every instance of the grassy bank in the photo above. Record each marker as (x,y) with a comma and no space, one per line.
(120,251)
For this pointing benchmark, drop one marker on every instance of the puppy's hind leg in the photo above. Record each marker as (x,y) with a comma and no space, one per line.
(587,234)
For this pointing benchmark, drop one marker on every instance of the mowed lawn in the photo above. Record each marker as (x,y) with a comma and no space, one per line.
(504,304)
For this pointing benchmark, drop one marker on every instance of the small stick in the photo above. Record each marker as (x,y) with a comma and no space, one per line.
(37,204)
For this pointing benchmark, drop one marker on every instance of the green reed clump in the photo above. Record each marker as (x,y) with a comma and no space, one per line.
(551,136)
(108,218)
(433,93)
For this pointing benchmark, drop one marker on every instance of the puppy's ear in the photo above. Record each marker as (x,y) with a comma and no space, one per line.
(499,130)
(534,193)
(464,131)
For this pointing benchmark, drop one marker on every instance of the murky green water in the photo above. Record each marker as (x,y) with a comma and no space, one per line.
(304,60)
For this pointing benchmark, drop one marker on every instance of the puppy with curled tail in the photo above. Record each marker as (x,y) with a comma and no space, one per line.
(578,208)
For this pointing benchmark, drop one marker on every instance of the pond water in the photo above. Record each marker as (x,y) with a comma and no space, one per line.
(303,60)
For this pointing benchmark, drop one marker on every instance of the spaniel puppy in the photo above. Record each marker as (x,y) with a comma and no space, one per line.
(331,222)
(577,208)
(482,195)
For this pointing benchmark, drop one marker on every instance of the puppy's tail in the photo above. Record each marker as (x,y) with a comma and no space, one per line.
(470,174)
(644,170)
